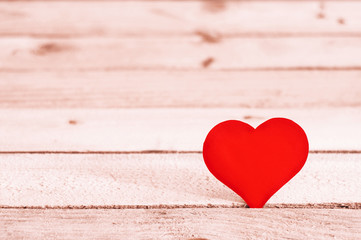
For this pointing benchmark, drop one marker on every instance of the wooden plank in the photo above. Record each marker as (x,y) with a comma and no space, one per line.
(147,89)
(107,180)
(159,18)
(191,224)
(161,129)
(183,53)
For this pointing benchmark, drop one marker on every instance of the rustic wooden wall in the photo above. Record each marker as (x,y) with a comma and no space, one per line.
(104,106)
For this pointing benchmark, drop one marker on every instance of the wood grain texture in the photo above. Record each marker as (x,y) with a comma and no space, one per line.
(160,54)
(163,18)
(187,89)
(188,224)
(183,53)
(161,129)
(159,179)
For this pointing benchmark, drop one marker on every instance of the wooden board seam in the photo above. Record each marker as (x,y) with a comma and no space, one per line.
(185,69)
(160,152)
(355,205)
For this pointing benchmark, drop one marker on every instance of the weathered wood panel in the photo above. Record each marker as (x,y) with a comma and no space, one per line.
(159,179)
(191,224)
(147,89)
(161,129)
(184,53)
(164,18)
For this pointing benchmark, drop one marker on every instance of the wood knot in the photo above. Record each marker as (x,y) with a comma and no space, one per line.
(207,62)
(49,48)
(215,6)
(72,122)
(341,21)
(209,37)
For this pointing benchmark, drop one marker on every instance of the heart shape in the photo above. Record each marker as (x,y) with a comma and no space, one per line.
(255,163)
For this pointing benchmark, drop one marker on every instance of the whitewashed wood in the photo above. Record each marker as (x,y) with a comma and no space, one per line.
(160,18)
(178,53)
(161,129)
(159,179)
(191,224)
(129,89)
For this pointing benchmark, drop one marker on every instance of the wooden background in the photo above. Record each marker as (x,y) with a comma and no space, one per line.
(104,107)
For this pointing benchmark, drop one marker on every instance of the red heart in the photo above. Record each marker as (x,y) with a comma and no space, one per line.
(255,163)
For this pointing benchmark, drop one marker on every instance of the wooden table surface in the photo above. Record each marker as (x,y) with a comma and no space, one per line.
(104,107)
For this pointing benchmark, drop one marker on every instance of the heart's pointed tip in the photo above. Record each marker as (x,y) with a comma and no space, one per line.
(254,206)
